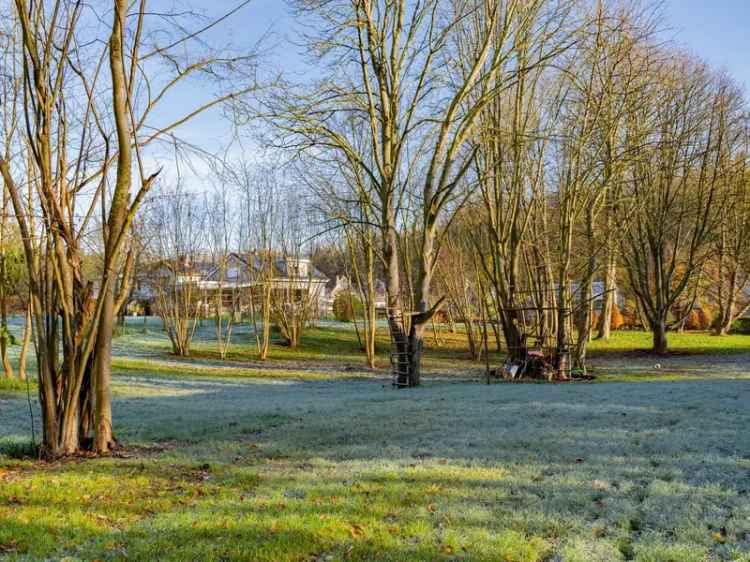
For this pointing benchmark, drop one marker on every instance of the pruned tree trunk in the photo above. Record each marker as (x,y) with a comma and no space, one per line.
(608,299)
(659,328)
(27,332)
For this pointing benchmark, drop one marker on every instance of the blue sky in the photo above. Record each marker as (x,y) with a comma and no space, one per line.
(714,30)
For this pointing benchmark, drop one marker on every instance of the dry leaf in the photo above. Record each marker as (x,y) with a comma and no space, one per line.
(447,549)
(432,508)
(356,531)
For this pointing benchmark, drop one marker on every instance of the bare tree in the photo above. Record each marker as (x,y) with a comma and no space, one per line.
(728,268)
(259,187)
(180,218)
(675,187)
(417,76)
(294,295)
(88,107)
(221,225)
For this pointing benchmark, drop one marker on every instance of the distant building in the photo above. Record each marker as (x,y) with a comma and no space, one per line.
(296,277)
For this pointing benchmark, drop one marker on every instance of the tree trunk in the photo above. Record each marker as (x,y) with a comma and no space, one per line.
(727,306)
(115,224)
(400,352)
(5,336)
(416,343)
(27,329)
(266,325)
(659,328)
(583,321)
(608,300)
(103,439)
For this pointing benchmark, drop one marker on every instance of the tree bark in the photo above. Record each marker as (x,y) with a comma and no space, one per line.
(659,328)
(28,328)
(608,300)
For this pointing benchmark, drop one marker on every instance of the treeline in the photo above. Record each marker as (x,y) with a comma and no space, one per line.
(504,159)
(500,159)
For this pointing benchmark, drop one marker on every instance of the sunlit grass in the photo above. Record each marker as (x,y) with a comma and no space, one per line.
(679,342)
(244,469)
(311,457)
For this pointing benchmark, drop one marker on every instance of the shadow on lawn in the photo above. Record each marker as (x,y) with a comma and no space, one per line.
(353,470)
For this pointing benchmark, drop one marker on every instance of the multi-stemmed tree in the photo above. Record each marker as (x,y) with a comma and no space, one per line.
(88,112)
(417,77)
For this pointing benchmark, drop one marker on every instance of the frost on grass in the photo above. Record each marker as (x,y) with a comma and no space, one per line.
(334,470)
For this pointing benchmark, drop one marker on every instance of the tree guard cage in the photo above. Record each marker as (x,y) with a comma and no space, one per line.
(541,350)
(399,324)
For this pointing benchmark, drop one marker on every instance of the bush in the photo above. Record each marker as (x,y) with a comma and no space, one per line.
(15,449)
(693,321)
(706,317)
(346,306)
(741,326)
(617,319)
(700,319)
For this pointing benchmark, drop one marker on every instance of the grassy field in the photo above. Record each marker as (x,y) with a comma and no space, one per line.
(311,457)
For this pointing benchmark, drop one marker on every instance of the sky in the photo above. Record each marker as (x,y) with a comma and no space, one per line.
(713,30)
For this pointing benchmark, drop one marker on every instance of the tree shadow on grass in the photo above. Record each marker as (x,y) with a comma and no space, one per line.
(350,470)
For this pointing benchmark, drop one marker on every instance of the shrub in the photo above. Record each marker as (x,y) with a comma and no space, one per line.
(700,319)
(706,317)
(15,449)
(346,306)
(617,320)
(693,321)
(741,326)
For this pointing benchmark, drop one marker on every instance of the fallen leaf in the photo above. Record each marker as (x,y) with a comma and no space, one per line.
(432,508)
(447,549)
(356,531)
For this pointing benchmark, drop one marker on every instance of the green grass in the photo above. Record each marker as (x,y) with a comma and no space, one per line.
(15,385)
(341,345)
(333,352)
(190,367)
(685,342)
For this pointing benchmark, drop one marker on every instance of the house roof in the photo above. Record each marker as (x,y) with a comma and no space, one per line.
(239,268)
